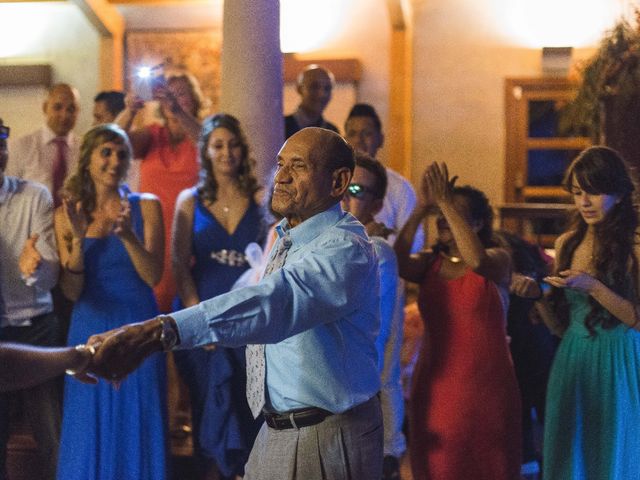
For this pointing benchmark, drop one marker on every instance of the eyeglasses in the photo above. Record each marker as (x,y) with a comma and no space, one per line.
(4,132)
(358,191)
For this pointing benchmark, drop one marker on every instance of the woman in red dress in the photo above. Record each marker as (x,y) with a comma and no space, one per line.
(464,420)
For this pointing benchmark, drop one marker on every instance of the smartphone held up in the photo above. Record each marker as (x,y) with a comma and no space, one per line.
(148,80)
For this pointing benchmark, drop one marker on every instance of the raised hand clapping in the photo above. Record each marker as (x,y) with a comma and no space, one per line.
(436,183)
(76,216)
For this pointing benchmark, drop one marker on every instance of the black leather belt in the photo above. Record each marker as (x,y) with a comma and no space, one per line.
(303,417)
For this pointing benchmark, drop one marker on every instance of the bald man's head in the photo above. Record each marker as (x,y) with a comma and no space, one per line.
(314,169)
(61,108)
(314,86)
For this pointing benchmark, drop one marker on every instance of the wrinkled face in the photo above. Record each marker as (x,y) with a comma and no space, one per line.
(592,207)
(359,199)
(303,184)
(362,134)
(225,151)
(181,90)
(101,113)
(315,91)
(61,110)
(108,164)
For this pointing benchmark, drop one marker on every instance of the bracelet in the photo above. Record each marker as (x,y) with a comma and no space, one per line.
(82,347)
(71,271)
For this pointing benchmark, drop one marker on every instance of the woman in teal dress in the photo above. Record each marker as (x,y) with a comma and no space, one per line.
(592,424)
(111,245)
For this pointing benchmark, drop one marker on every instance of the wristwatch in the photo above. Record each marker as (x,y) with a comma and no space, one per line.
(168,335)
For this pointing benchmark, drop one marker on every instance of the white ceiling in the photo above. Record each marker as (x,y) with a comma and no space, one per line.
(172,15)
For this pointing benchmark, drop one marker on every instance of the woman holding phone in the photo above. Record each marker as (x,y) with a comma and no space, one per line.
(593,395)
(168,152)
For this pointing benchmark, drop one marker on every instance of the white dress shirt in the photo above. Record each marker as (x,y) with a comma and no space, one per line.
(398,204)
(32,156)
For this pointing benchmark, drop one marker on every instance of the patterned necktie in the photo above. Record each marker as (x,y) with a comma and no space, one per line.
(255,353)
(59,170)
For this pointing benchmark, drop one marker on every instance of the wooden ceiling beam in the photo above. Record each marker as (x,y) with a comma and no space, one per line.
(110,24)
(103,16)
(396,14)
(158,2)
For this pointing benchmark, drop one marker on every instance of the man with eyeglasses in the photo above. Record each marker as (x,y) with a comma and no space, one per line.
(28,271)
(363,200)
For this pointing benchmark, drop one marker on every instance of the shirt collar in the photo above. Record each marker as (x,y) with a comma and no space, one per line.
(6,188)
(311,227)
(48,136)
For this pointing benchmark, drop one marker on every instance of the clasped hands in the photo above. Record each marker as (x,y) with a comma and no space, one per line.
(120,351)
(436,186)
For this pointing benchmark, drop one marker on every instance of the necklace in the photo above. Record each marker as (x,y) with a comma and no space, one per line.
(225,209)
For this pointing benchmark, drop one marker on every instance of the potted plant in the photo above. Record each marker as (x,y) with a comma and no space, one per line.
(607,104)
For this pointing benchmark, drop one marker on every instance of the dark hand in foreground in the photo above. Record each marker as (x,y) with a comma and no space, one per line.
(120,351)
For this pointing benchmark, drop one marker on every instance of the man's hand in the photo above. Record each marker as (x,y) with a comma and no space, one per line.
(120,351)
(525,287)
(378,229)
(30,258)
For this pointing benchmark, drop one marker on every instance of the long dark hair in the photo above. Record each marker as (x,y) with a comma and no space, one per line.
(208,185)
(601,170)
(80,186)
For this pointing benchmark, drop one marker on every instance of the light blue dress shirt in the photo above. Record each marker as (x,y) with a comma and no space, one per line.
(26,208)
(318,315)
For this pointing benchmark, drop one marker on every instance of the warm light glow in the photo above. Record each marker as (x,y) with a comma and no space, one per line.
(23,27)
(560,23)
(306,25)
(144,72)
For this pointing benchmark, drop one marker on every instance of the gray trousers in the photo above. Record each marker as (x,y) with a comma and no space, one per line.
(346,446)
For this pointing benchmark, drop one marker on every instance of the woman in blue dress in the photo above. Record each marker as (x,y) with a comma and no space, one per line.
(213,224)
(592,423)
(111,246)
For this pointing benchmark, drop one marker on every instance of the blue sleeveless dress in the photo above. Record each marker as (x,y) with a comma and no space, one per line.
(592,422)
(108,433)
(223,427)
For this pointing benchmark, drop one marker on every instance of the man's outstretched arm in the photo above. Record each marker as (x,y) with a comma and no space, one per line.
(23,366)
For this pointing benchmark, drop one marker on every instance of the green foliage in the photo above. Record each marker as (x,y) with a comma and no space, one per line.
(613,70)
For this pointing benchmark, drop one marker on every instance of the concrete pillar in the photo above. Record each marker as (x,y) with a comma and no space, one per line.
(251,85)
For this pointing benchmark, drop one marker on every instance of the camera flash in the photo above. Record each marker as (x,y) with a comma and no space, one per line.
(144,72)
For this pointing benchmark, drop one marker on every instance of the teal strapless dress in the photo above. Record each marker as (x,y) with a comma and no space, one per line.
(592,423)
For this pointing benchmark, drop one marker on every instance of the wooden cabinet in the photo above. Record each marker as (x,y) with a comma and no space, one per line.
(540,144)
